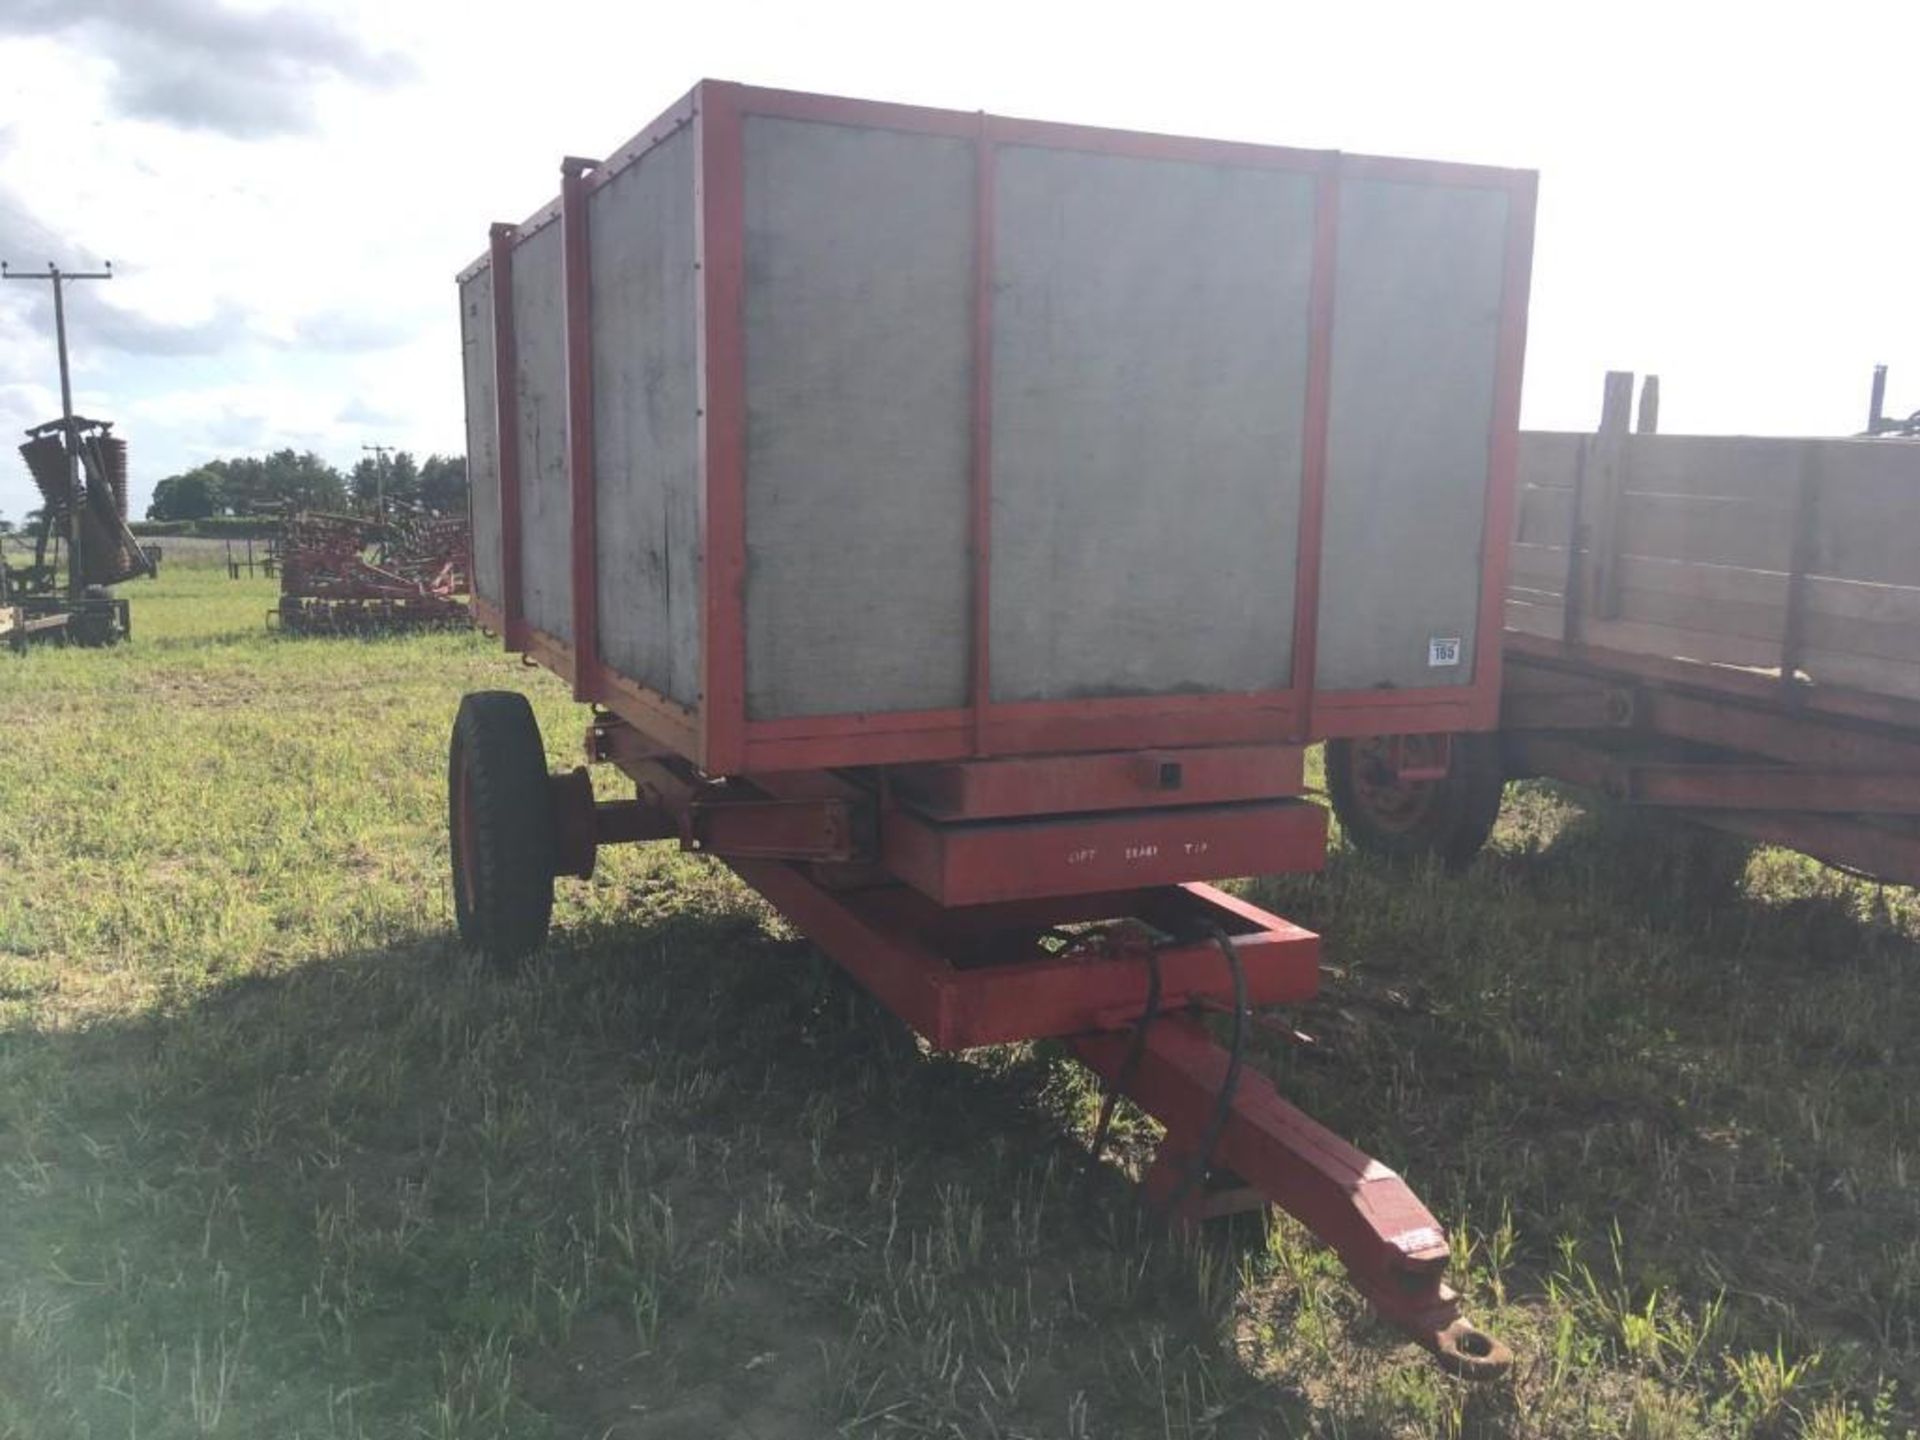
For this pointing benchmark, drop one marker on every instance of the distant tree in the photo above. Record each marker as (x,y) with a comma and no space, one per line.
(443,484)
(403,478)
(6,526)
(366,483)
(192,496)
(243,484)
(250,485)
(393,476)
(302,482)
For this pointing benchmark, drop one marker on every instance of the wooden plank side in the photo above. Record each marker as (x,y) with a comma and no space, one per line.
(1725,615)
(1549,458)
(1732,499)
(1543,515)
(1869,512)
(1643,637)
(1872,673)
(1600,502)
(1736,466)
(1712,530)
(1527,615)
(1841,617)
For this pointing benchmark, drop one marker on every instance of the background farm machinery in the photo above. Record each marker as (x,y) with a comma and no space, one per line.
(80,544)
(346,574)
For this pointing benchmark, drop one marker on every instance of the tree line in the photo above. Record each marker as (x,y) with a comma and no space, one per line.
(287,480)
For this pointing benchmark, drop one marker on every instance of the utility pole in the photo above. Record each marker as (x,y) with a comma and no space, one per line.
(379,453)
(58,278)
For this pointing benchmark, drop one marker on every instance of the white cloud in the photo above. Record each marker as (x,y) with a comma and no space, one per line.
(208,65)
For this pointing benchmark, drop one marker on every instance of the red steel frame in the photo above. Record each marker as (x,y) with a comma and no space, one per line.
(1122,993)
(720,737)
(507,437)
(1831,773)
(576,274)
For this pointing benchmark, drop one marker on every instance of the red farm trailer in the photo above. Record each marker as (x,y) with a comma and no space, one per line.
(959,527)
(1722,628)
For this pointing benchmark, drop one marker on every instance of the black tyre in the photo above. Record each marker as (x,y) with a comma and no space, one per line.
(1448,818)
(500,825)
(97,621)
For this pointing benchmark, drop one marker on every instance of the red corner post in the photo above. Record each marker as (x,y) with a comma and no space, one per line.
(578,269)
(506,410)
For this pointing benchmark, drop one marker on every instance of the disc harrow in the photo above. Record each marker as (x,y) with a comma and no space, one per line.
(345,575)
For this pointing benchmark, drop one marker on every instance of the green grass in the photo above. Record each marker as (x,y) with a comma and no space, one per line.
(275,1160)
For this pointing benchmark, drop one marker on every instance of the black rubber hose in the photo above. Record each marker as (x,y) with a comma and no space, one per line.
(1223,1101)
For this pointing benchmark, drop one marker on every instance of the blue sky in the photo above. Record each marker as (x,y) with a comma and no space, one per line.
(287,189)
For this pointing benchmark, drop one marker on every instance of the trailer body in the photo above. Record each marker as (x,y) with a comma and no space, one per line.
(959,526)
(1723,627)
(844,433)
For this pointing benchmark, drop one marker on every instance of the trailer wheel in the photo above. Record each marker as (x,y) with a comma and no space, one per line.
(500,824)
(1449,818)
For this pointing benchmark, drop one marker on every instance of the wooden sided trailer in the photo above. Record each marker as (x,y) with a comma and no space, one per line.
(960,526)
(1722,628)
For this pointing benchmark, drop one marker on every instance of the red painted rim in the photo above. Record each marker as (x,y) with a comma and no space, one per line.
(1393,804)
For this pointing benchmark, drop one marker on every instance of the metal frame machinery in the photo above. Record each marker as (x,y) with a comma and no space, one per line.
(80,469)
(415,577)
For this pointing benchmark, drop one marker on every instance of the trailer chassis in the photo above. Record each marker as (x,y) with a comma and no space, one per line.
(1831,773)
(1836,777)
(1121,976)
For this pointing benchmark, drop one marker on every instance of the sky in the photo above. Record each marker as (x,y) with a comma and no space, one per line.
(286,190)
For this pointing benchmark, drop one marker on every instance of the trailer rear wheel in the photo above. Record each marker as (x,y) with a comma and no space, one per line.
(1449,818)
(500,824)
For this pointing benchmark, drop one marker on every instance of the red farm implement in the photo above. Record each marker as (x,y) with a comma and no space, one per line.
(987,612)
(341,574)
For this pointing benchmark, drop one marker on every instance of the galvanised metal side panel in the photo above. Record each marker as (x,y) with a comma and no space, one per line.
(645,420)
(1150,339)
(858,334)
(1416,329)
(546,499)
(483,466)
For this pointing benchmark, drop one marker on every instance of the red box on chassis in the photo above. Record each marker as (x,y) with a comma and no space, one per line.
(808,432)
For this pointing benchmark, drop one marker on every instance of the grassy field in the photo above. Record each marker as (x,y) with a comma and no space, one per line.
(275,1160)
